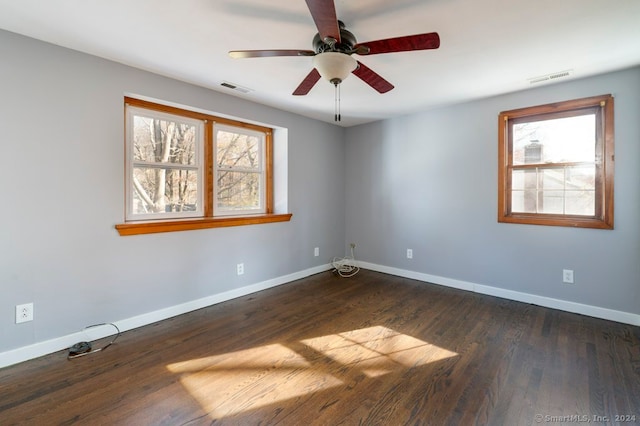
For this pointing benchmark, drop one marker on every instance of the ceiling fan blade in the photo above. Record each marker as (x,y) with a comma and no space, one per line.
(236,54)
(307,84)
(323,13)
(399,44)
(372,78)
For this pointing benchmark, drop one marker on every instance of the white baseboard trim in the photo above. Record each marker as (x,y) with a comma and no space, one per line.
(39,349)
(547,302)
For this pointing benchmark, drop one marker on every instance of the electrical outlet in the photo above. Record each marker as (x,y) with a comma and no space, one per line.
(240,268)
(352,245)
(409,254)
(24,313)
(567,276)
(316,251)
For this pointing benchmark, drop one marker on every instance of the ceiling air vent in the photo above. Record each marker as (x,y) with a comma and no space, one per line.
(235,87)
(550,77)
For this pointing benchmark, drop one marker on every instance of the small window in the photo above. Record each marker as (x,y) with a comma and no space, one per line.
(190,170)
(556,164)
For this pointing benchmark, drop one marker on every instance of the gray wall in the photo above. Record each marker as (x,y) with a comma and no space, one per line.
(61,180)
(425,181)
(428,182)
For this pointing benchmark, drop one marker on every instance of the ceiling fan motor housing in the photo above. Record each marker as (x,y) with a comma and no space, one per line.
(347,41)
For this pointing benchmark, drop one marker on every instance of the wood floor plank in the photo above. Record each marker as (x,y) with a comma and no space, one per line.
(372,349)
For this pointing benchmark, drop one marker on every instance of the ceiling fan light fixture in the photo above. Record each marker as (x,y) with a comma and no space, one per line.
(334,66)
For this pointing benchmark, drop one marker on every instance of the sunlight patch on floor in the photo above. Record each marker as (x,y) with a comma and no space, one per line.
(378,350)
(245,380)
(234,382)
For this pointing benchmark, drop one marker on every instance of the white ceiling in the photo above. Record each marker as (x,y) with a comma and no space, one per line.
(487,47)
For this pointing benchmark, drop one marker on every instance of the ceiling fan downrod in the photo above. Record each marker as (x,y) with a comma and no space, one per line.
(337,116)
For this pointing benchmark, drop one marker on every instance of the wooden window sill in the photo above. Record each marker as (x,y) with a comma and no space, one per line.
(556,220)
(153,227)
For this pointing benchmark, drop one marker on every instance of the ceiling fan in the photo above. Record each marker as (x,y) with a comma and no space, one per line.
(333,46)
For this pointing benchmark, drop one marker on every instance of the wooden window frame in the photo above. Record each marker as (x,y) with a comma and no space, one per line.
(208,220)
(604,206)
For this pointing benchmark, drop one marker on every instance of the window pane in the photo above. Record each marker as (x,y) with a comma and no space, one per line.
(238,190)
(517,201)
(551,202)
(157,190)
(552,178)
(238,150)
(517,179)
(524,179)
(525,185)
(163,141)
(560,140)
(524,201)
(581,177)
(580,203)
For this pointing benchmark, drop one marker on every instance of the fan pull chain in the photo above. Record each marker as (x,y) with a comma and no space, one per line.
(337,116)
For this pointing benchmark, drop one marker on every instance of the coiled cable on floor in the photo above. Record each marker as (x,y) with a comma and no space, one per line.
(84,348)
(346,267)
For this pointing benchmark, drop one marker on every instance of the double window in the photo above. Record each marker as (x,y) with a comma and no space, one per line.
(556,164)
(189,170)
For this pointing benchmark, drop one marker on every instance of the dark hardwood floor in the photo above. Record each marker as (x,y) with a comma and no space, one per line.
(373,349)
